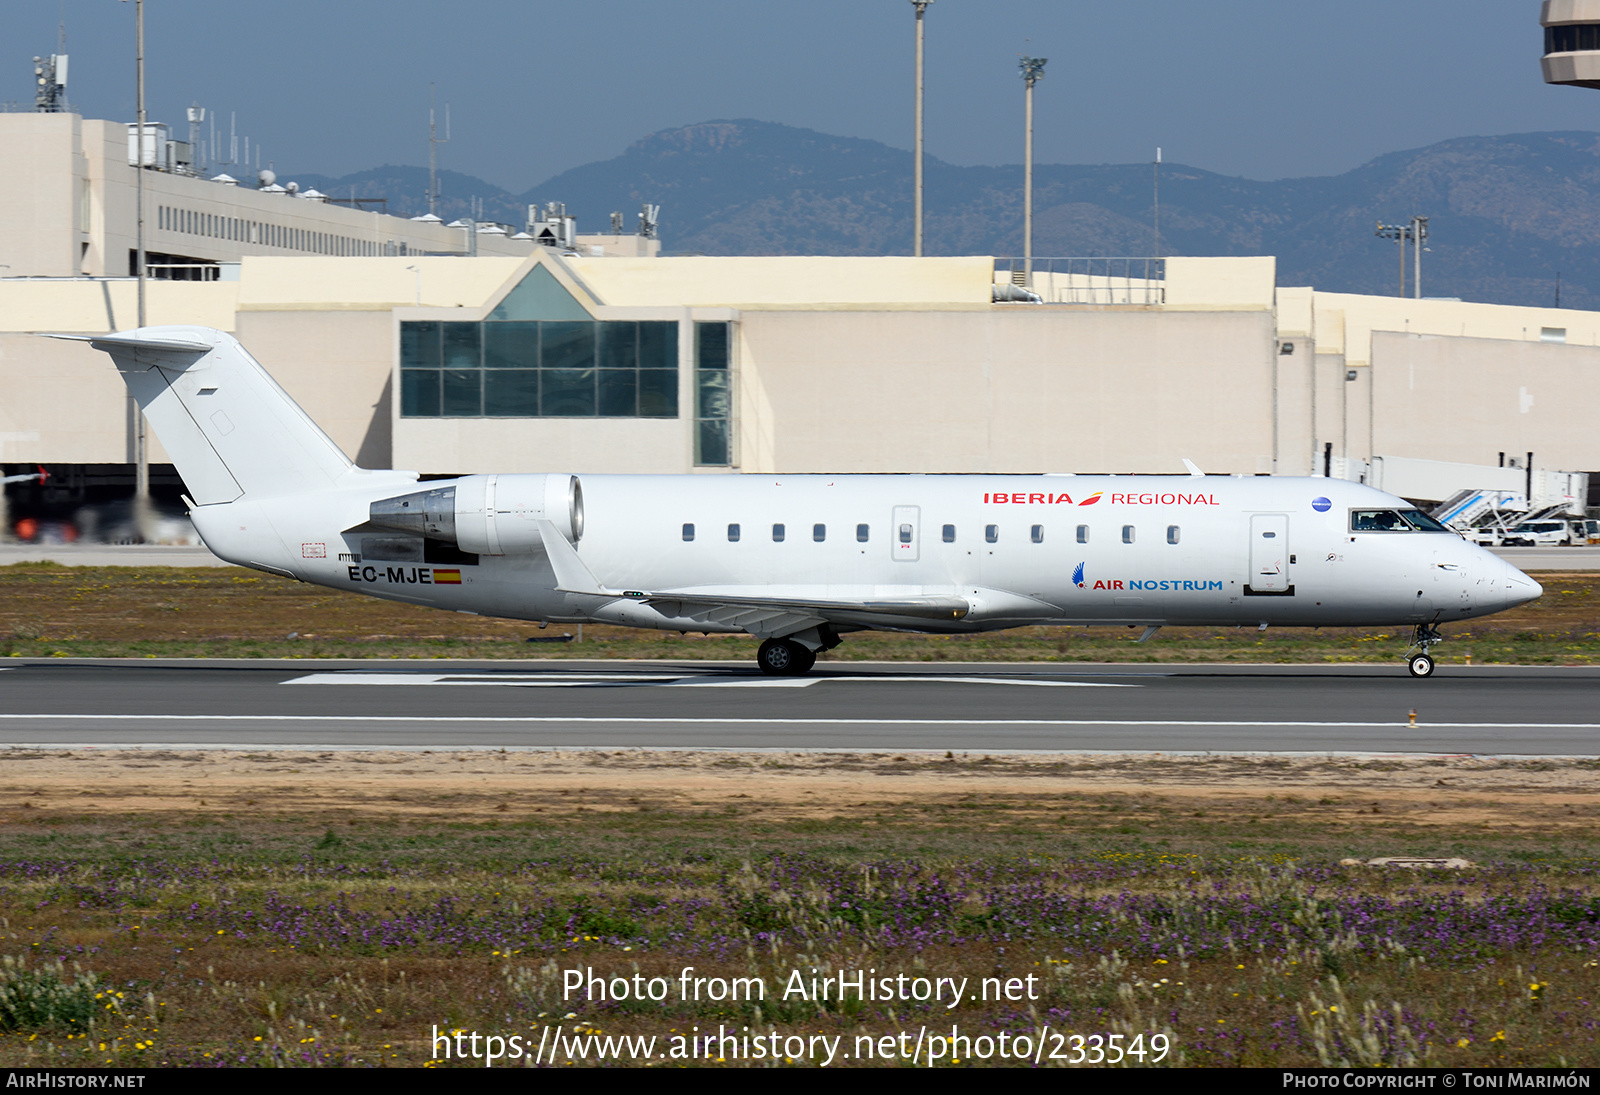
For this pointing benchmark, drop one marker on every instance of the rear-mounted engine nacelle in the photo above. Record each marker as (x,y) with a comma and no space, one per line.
(487,514)
(496,514)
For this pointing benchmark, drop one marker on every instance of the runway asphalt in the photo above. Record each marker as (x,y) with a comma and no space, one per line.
(1520,711)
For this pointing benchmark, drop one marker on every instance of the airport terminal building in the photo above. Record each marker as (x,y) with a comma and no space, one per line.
(534,358)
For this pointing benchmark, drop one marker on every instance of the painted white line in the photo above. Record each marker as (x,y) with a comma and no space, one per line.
(675,721)
(581,680)
(979,680)
(540,680)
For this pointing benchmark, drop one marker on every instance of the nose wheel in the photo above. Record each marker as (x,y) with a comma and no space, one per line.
(1423,639)
(785,658)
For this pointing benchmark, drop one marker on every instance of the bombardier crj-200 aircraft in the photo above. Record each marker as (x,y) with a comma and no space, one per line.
(795,560)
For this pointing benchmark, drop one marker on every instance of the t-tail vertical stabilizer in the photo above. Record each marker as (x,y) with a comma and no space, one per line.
(231,431)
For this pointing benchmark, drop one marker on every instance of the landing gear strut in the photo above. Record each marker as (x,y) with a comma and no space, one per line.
(1423,639)
(785,658)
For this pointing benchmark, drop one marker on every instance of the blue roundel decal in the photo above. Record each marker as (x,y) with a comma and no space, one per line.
(1321,505)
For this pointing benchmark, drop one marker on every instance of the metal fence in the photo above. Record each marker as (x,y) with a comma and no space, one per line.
(1140,281)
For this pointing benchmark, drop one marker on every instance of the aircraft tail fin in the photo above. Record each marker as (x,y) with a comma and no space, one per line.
(228,426)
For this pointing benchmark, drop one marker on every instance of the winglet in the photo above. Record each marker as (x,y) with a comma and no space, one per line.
(571,574)
(1193,469)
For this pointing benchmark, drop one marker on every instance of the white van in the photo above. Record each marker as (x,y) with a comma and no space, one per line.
(1539,534)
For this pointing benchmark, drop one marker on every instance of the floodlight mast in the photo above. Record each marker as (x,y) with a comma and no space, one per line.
(1415,232)
(1419,234)
(916,216)
(1032,72)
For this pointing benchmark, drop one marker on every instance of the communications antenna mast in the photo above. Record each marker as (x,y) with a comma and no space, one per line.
(434,141)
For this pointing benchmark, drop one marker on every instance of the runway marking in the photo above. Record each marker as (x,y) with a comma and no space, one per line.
(549,680)
(679,721)
(612,680)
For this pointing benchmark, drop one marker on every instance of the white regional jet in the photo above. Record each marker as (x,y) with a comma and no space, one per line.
(794,560)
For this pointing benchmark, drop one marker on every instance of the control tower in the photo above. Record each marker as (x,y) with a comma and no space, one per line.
(1571,42)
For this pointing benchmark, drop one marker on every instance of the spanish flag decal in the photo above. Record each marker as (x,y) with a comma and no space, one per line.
(446,577)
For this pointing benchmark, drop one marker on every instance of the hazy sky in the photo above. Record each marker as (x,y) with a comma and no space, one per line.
(1243,87)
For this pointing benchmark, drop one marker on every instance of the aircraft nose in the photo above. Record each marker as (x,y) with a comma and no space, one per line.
(1520,589)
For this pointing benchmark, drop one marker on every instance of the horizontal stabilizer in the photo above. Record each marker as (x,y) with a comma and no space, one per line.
(135,341)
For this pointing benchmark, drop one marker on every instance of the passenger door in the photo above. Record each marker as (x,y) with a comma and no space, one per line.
(1269,553)
(905,533)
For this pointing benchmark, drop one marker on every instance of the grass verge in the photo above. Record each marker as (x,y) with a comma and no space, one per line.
(116,612)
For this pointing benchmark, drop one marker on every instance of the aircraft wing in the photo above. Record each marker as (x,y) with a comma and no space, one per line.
(766,607)
(740,598)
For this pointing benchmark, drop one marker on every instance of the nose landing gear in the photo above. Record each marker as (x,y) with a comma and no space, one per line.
(1423,639)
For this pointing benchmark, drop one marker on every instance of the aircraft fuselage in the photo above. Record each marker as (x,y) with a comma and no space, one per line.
(1150,550)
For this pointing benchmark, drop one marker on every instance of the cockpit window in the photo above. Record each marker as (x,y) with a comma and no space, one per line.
(1422,522)
(1389,520)
(1377,520)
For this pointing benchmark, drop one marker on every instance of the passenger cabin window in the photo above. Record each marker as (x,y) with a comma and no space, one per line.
(819,533)
(949,534)
(777,534)
(1083,534)
(1173,534)
(1038,534)
(733,534)
(688,532)
(991,533)
(861,534)
(1127,534)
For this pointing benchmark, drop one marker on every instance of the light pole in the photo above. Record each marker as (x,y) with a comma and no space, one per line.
(916,236)
(1419,233)
(1032,72)
(1416,231)
(141,455)
(1399,233)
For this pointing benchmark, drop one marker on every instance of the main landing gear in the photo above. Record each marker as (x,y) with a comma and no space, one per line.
(1423,639)
(785,658)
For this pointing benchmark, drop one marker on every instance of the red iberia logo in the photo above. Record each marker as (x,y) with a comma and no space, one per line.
(1039,499)
(446,577)
(1116,499)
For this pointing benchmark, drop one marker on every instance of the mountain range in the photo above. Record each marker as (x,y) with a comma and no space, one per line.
(1509,215)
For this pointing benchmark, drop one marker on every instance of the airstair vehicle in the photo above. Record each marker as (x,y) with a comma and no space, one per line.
(1483,516)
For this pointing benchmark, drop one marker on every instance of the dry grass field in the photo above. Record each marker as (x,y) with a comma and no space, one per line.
(256,909)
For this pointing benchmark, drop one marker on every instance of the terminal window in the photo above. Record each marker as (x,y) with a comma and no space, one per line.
(713,396)
(539,369)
